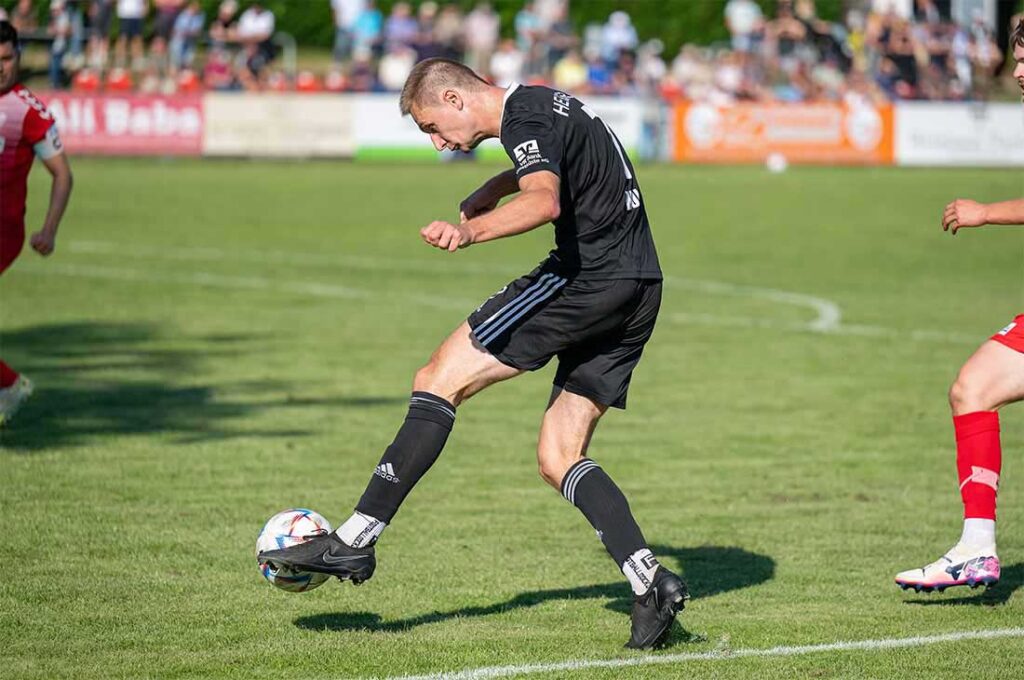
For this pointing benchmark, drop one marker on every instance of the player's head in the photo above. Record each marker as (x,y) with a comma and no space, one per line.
(9,56)
(443,97)
(1017,44)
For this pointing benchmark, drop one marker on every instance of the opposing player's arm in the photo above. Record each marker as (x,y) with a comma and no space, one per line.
(43,241)
(487,196)
(537,203)
(966,213)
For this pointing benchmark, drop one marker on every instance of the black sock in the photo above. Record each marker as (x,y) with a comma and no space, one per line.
(590,489)
(417,445)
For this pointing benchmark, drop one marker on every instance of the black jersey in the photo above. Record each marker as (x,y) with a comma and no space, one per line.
(602,232)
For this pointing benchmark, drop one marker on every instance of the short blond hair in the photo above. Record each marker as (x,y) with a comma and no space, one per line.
(429,77)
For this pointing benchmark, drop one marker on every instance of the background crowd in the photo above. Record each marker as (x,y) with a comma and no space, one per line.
(785,53)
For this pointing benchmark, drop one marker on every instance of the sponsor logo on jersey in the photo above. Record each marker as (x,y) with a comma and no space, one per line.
(562,104)
(632,199)
(528,153)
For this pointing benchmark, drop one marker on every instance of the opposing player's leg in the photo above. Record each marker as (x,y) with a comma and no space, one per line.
(14,388)
(457,370)
(991,378)
(565,434)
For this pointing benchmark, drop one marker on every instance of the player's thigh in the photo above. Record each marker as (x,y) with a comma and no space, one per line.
(601,368)
(460,367)
(992,377)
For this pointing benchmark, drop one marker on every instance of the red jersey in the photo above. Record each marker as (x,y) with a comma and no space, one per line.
(24,123)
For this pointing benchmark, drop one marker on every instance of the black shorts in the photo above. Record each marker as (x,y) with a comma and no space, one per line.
(597,329)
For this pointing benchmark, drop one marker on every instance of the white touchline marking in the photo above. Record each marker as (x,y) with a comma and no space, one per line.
(717,655)
(827,319)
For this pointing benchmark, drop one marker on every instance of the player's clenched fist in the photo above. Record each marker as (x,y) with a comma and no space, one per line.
(42,242)
(447,236)
(963,213)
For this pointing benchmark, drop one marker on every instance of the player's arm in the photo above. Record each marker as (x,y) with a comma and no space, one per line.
(537,203)
(487,196)
(966,213)
(60,193)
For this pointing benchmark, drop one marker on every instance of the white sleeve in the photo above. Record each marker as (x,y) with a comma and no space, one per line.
(50,145)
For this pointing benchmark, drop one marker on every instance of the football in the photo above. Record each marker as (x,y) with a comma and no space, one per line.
(285,529)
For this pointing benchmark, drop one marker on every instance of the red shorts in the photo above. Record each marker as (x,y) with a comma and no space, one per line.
(1013,335)
(11,241)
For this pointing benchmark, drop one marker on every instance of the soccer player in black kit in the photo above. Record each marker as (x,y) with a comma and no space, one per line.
(592,303)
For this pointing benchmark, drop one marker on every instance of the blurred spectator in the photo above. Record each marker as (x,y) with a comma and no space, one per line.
(745,22)
(188,27)
(130,17)
(223,27)
(599,76)
(617,35)
(529,32)
(560,37)
(507,64)
(346,13)
(400,27)
(362,77)
(217,72)
(23,17)
(166,14)
(425,39)
(368,29)
(59,30)
(448,31)
(785,39)
(570,73)
(480,36)
(76,41)
(101,15)
(395,67)
(255,32)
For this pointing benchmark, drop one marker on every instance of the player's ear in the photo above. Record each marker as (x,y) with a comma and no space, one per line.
(453,99)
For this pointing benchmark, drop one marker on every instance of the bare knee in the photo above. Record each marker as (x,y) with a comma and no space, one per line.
(968,394)
(553,464)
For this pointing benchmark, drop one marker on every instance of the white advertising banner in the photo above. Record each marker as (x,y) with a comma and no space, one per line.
(278,125)
(944,134)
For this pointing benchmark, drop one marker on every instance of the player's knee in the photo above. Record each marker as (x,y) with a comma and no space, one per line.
(969,393)
(550,467)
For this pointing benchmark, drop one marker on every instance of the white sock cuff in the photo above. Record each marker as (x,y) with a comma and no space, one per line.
(360,530)
(639,569)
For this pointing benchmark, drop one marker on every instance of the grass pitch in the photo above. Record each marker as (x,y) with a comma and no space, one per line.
(216,341)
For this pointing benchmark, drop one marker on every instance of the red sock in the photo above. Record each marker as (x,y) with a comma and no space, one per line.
(978,461)
(7,376)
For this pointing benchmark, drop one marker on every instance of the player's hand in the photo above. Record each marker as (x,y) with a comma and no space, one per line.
(963,213)
(43,242)
(447,236)
(476,204)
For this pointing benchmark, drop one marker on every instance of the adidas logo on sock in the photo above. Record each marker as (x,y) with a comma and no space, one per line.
(386,472)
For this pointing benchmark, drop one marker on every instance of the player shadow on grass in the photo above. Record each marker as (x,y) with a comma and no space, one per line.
(1010,579)
(709,570)
(95,379)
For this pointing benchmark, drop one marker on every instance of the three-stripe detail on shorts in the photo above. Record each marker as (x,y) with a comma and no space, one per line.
(573,477)
(542,289)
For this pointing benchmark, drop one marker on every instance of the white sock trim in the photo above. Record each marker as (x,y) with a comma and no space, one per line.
(360,530)
(979,534)
(639,569)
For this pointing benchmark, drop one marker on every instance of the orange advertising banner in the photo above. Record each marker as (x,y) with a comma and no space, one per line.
(802,133)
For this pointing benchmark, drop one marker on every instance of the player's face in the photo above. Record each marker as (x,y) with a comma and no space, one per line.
(1018,71)
(449,125)
(8,66)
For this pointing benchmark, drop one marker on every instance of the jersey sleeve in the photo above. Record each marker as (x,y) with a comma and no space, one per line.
(38,120)
(532,143)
